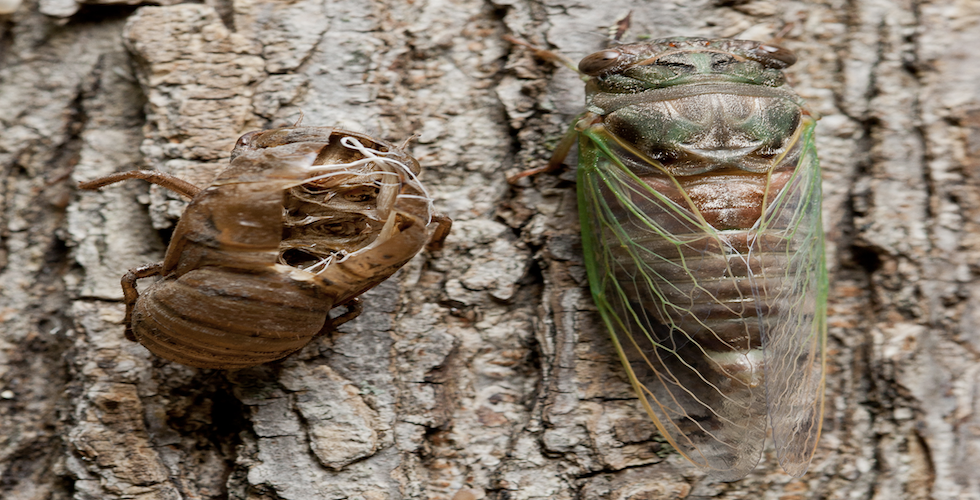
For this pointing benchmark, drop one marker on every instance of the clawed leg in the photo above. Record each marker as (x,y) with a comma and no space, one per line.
(130,294)
(443,225)
(557,158)
(548,55)
(354,307)
(163,179)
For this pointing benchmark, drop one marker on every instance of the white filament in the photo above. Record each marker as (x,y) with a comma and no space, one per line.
(325,262)
(355,144)
(387,166)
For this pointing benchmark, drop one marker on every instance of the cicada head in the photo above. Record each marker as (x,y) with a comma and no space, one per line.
(677,61)
(690,106)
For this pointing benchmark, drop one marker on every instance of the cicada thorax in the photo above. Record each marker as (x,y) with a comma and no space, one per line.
(344,212)
(699,184)
(331,218)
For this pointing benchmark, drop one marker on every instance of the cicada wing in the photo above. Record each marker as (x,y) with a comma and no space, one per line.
(794,330)
(653,265)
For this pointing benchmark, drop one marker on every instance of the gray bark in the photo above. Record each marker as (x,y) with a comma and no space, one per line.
(480,371)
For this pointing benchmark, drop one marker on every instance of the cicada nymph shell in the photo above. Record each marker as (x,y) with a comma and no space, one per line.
(305,219)
(699,197)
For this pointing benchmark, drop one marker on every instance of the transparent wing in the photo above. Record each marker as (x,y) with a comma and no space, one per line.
(649,262)
(690,312)
(794,337)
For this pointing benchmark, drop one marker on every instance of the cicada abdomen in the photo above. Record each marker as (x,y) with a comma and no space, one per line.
(699,193)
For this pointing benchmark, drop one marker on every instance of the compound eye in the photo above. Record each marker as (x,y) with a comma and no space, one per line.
(773,56)
(245,140)
(595,64)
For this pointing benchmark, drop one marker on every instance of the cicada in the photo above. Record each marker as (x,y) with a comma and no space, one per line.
(699,198)
(304,220)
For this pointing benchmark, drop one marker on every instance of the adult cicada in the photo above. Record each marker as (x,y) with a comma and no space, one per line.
(699,198)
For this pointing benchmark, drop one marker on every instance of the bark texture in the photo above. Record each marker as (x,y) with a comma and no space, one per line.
(480,371)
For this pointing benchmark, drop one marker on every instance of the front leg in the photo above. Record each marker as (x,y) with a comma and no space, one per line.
(164,179)
(443,225)
(354,307)
(130,294)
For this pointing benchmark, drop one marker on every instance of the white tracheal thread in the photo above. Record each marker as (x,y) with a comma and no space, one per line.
(388,166)
(337,256)
(378,157)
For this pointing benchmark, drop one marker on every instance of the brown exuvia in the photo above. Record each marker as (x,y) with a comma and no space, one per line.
(305,219)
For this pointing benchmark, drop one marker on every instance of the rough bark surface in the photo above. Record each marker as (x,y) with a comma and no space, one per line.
(480,371)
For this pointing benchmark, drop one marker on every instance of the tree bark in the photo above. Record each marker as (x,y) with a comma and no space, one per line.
(481,370)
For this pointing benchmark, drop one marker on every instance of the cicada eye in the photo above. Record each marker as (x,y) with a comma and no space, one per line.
(246,140)
(773,56)
(597,63)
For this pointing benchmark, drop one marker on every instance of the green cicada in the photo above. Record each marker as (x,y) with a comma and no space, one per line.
(699,197)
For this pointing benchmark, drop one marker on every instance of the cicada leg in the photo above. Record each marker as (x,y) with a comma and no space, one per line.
(130,294)
(568,141)
(354,308)
(163,179)
(548,55)
(557,157)
(443,225)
